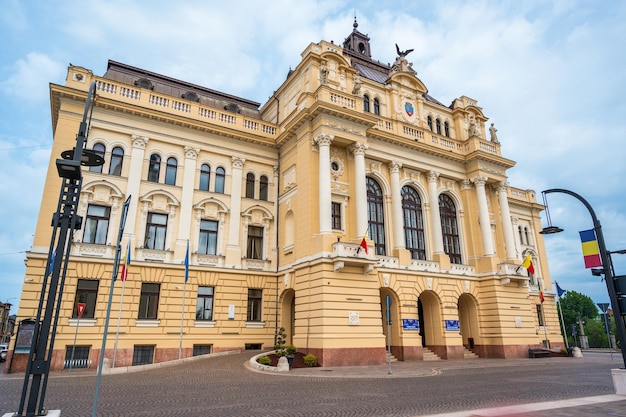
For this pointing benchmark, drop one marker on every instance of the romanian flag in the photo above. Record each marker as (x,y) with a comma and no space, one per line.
(125,264)
(591,251)
(540,291)
(364,242)
(187,263)
(528,264)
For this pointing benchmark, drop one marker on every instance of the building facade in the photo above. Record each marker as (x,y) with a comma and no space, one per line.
(275,201)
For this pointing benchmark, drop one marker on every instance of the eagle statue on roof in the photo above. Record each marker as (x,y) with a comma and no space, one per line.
(403,54)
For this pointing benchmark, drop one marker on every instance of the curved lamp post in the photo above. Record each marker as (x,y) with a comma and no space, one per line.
(607,266)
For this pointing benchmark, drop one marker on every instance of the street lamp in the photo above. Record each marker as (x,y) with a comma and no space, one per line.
(64,221)
(607,266)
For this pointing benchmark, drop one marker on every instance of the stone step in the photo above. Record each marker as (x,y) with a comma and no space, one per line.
(468,354)
(430,355)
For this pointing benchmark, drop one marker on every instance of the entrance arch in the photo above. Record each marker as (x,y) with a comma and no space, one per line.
(288,314)
(468,320)
(430,321)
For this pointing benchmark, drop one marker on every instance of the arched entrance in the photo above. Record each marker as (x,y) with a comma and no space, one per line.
(288,314)
(394,323)
(429,315)
(468,320)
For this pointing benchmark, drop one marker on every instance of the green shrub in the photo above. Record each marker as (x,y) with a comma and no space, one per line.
(281,340)
(264,360)
(310,360)
(291,349)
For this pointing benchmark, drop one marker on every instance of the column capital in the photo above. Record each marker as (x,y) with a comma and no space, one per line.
(139,141)
(358,148)
(502,186)
(191,152)
(323,139)
(238,162)
(432,176)
(394,167)
(479,181)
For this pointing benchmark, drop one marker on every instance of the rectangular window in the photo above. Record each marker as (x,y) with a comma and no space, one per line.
(80,359)
(204,306)
(254,304)
(336,215)
(149,301)
(255,242)
(202,350)
(143,354)
(208,237)
(540,315)
(156,227)
(86,292)
(96,224)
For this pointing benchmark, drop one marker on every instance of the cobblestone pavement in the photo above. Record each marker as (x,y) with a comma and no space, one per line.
(225,386)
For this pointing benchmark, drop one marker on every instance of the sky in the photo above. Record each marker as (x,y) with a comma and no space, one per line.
(549,74)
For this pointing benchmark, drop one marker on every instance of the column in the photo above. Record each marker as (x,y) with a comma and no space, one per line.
(323,142)
(186,209)
(132,185)
(396,206)
(435,218)
(360,193)
(483,215)
(507,226)
(233,248)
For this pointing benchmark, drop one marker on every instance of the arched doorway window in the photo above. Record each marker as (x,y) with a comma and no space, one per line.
(413,223)
(449,229)
(376,216)
(100,150)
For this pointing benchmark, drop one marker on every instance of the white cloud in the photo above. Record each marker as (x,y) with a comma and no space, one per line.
(30,77)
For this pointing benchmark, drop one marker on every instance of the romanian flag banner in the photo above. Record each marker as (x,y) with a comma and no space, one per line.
(364,243)
(528,264)
(125,264)
(591,251)
(541,297)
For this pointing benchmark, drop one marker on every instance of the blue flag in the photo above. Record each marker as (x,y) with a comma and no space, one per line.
(559,291)
(51,266)
(187,263)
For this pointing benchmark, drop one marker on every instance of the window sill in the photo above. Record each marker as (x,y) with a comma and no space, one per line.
(147,323)
(82,322)
(255,324)
(204,323)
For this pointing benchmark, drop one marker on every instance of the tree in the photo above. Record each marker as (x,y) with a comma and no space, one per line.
(577,306)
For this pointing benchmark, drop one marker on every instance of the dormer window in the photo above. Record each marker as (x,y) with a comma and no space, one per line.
(232,107)
(362,49)
(191,96)
(144,83)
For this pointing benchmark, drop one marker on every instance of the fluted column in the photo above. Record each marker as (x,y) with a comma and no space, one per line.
(483,215)
(184,221)
(435,218)
(234,224)
(396,206)
(323,142)
(360,193)
(507,225)
(134,180)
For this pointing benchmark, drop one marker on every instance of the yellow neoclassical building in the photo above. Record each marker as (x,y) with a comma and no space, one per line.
(275,200)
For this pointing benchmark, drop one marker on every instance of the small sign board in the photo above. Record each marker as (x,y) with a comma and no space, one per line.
(25,334)
(452,325)
(410,324)
(81,309)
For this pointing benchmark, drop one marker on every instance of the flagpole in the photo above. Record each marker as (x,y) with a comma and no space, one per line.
(558,302)
(117,331)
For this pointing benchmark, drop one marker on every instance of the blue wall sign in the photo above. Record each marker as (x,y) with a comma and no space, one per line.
(452,325)
(410,324)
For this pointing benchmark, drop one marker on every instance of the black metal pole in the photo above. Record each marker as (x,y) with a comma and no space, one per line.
(606,266)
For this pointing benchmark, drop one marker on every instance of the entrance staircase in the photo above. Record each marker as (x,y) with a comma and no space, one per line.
(429,355)
(468,354)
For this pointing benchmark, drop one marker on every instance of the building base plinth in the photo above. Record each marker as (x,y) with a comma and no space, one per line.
(50,413)
(619,381)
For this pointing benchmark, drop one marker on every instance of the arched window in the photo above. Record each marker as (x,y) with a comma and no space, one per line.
(413,223)
(429,120)
(220,177)
(154,168)
(449,229)
(438,126)
(376,106)
(446,129)
(263,188)
(250,185)
(376,216)
(170,171)
(526,235)
(521,237)
(117,157)
(205,177)
(366,103)
(100,150)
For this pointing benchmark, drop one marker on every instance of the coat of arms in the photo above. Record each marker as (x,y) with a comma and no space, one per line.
(408,108)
